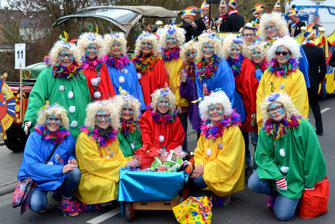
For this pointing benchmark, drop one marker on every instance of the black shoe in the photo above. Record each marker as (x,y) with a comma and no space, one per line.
(319,132)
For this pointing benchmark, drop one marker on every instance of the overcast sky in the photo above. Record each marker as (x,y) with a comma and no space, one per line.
(3,3)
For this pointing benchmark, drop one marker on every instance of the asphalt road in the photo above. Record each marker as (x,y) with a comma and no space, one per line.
(245,207)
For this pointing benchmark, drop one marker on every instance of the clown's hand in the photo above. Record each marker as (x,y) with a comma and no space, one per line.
(27,125)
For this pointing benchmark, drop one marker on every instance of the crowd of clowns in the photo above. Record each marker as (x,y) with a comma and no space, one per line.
(104,108)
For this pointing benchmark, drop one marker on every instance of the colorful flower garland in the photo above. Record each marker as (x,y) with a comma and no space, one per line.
(118,63)
(236,64)
(189,69)
(162,118)
(289,67)
(170,54)
(101,141)
(55,137)
(206,69)
(280,129)
(59,71)
(129,126)
(263,66)
(143,64)
(92,65)
(216,131)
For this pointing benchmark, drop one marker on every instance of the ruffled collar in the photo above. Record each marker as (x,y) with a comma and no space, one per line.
(289,67)
(162,118)
(55,137)
(206,69)
(118,63)
(263,66)
(215,131)
(129,126)
(92,64)
(281,128)
(170,54)
(189,69)
(101,141)
(236,64)
(143,64)
(59,71)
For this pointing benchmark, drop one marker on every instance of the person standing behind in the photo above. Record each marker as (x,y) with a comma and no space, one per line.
(257,11)
(204,23)
(276,7)
(248,33)
(234,20)
(188,23)
(294,27)
(316,71)
(220,21)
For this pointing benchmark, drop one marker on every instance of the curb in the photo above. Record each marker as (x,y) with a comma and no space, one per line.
(9,188)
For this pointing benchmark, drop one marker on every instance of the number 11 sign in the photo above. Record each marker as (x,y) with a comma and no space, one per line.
(20,56)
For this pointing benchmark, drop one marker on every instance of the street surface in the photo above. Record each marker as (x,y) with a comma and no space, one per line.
(245,207)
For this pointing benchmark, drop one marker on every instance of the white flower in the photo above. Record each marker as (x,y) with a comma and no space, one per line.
(61,88)
(139,75)
(284,169)
(282,152)
(97,95)
(74,124)
(70,95)
(95,81)
(121,79)
(72,109)
(209,151)
(161,138)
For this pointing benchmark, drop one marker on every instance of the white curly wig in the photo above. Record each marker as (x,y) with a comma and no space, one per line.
(85,39)
(261,45)
(215,98)
(105,105)
(277,21)
(62,45)
(109,38)
(155,95)
(145,36)
(290,43)
(191,45)
(212,39)
(56,110)
(168,29)
(229,41)
(122,99)
(279,97)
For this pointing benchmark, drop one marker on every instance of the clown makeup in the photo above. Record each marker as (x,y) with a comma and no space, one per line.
(282,55)
(163,104)
(127,112)
(257,55)
(53,122)
(103,119)
(208,50)
(116,49)
(146,47)
(65,58)
(215,112)
(171,41)
(91,51)
(276,111)
(191,55)
(235,51)
(271,30)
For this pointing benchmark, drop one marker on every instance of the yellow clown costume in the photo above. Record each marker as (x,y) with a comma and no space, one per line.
(222,152)
(293,83)
(99,161)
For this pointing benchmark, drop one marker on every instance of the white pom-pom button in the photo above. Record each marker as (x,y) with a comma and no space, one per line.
(97,95)
(61,88)
(121,79)
(209,151)
(94,82)
(161,138)
(108,157)
(70,95)
(139,75)
(74,124)
(50,163)
(284,169)
(72,109)
(126,71)
(282,152)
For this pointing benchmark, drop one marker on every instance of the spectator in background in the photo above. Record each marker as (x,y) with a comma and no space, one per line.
(249,34)
(234,20)
(204,23)
(316,71)
(294,27)
(220,21)
(276,7)
(188,23)
(257,11)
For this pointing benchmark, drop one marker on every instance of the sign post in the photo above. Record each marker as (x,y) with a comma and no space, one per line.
(20,63)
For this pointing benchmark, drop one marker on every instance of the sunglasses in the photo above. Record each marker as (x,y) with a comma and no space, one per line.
(283,53)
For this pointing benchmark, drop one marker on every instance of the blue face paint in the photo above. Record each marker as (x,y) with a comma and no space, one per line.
(193,54)
(170,38)
(53,118)
(101,115)
(91,48)
(146,44)
(163,101)
(279,108)
(235,48)
(280,51)
(116,44)
(127,109)
(270,28)
(207,47)
(215,109)
(63,55)
(255,53)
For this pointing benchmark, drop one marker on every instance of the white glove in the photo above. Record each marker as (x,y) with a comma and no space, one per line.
(27,125)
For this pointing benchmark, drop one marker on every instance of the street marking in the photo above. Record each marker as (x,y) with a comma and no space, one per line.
(324,110)
(105,216)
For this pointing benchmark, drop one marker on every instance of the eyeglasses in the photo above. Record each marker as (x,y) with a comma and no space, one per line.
(63,56)
(107,117)
(273,109)
(283,53)
(191,53)
(248,35)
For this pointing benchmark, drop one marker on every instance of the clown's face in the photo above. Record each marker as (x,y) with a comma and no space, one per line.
(91,51)
(215,112)
(171,41)
(163,104)
(116,50)
(282,55)
(127,112)
(65,58)
(271,30)
(53,122)
(257,55)
(191,55)
(146,47)
(235,51)
(103,119)
(208,50)
(276,111)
